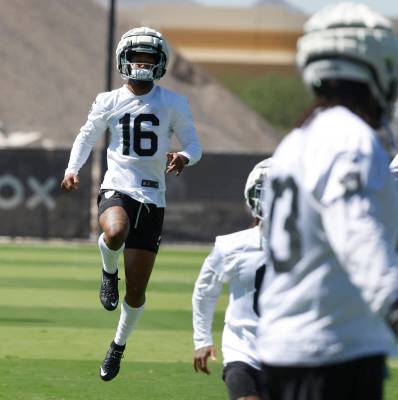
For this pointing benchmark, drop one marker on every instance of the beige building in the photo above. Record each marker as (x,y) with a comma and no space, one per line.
(261,37)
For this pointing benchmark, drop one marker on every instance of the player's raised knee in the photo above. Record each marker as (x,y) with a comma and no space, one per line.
(115,235)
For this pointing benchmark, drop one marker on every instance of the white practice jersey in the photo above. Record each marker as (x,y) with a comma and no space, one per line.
(141,128)
(238,259)
(333,228)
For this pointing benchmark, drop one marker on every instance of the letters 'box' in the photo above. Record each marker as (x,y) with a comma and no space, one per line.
(31,201)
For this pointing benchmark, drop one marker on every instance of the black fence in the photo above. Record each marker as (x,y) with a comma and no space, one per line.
(204,201)
(31,201)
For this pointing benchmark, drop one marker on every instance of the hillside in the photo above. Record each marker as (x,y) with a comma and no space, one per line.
(53,65)
(280,3)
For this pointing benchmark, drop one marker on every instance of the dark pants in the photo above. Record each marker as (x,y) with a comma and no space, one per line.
(359,379)
(146,220)
(243,380)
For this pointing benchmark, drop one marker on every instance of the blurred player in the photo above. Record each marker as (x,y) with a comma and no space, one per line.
(141,117)
(333,279)
(238,259)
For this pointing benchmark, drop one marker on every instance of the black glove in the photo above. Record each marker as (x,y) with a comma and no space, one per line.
(392,317)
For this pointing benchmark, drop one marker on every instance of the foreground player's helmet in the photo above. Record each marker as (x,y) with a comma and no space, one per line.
(142,40)
(351,42)
(254,187)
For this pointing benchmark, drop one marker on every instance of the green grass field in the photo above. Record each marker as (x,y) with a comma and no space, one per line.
(54,332)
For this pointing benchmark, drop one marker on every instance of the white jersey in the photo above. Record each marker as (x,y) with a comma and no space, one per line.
(394,167)
(141,128)
(238,259)
(333,228)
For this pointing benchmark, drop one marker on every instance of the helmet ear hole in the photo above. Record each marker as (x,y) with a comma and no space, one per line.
(162,73)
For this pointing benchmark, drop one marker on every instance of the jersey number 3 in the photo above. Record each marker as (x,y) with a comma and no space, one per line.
(139,134)
(258,280)
(283,225)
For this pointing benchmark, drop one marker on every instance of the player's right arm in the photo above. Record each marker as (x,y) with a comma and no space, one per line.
(89,133)
(207,289)
(201,358)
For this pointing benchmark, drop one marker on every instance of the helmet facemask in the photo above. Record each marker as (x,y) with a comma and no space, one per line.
(139,41)
(138,70)
(254,197)
(255,188)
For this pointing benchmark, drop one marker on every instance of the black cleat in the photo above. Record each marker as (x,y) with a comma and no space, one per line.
(109,292)
(111,365)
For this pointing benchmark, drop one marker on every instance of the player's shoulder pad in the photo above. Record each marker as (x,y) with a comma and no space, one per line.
(355,173)
(347,156)
(172,98)
(344,131)
(108,99)
(238,241)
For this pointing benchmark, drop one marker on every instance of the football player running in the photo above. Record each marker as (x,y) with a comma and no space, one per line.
(329,298)
(141,118)
(240,260)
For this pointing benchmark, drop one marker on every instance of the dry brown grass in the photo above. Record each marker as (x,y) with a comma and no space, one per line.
(52,66)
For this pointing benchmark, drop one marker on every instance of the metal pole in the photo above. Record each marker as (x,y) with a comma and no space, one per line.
(99,155)
(111,34)
(109,73)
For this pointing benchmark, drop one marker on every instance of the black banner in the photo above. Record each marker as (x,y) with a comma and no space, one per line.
(207,199)
(31,201)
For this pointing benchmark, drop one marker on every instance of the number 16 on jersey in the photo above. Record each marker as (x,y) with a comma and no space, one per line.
(139,134)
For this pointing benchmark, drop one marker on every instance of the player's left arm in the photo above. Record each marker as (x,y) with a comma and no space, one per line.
(392,314)
(184,128)
(176,162)
(352,210)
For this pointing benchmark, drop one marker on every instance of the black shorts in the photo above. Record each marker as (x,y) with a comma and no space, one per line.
(146,220)
(360,379)
(243,380)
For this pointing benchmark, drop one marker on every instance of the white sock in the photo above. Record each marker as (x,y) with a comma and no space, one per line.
(129,317)
(109,257)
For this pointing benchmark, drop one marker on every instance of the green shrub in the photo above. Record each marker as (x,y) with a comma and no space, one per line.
(279,98)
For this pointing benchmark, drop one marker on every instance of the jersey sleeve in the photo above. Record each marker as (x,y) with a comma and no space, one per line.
(94,127)
(207,289)
(352,219)
(184,128)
